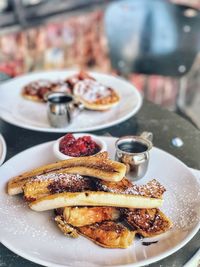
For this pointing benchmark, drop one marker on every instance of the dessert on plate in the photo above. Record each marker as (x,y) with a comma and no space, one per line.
(37,90)
(92,197)
(82,86)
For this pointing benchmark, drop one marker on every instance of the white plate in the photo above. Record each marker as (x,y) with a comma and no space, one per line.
(31,115)
(3,149)
(35,236)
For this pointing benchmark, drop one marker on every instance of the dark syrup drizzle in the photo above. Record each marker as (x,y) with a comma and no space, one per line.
(149,243)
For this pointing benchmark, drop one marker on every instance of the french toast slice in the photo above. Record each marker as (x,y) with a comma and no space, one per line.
(90,198)
(92,166)
(147,222)
(81,216)
(152,189)
(108,234)
(67,229)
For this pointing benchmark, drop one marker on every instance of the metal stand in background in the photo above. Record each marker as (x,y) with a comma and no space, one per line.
(188,101)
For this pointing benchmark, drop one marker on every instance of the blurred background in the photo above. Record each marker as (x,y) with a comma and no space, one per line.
(153,43)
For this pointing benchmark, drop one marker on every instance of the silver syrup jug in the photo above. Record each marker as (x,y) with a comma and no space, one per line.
(133,151)
(62,108)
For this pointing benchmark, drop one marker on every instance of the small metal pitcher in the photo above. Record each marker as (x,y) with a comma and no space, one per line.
(62,108)
(133,151)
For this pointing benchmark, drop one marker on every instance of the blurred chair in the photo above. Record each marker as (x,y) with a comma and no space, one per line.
(156,39)
(151,37)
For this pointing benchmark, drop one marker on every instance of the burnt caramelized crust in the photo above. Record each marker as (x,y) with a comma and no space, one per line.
(147,222)
(70,183)
(108,234)
(53,183)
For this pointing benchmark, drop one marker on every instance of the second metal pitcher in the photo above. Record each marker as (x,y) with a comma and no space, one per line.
(62,108)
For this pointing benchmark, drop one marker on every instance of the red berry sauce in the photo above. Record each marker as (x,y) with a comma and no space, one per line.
(82,146)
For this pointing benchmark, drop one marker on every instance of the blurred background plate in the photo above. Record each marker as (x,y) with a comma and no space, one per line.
(31,115)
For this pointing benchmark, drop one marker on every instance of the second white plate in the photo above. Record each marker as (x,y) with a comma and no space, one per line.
(3,149)
(32,115)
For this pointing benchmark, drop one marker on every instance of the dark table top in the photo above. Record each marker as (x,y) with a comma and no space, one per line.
(164,124)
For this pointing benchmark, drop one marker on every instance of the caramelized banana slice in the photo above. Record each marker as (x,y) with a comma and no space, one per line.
(90,198)
(52,183)
(93,166)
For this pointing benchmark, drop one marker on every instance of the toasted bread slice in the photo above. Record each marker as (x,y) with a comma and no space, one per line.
(108,234)
(81,216)
(147,222)
(152,189)
(89,198)
(67,229)
(93,166)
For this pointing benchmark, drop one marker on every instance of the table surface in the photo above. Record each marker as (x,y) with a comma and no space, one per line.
(164,124)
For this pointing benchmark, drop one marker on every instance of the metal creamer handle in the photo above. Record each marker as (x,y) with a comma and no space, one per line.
(74,108)
(147,135)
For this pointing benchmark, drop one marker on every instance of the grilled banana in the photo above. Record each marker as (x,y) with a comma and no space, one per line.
(93,166)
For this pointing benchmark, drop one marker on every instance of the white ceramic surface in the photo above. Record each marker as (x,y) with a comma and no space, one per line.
(3,149)
(59,155)
(35,236)
(31,115)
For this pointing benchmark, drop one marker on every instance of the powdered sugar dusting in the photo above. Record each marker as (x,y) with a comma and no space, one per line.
(182,208)
(39,83)
(55,176)
(91,90)
(152,189)
(16,219)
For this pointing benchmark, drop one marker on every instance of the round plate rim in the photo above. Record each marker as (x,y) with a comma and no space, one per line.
(4,148)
